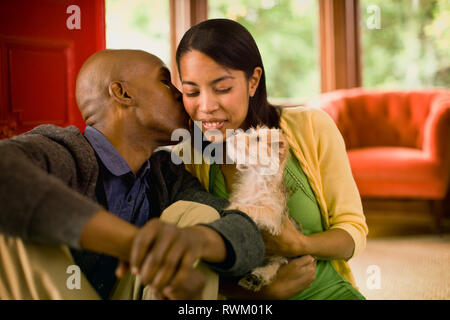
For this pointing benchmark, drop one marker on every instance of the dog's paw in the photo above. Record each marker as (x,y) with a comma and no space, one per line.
(251,282)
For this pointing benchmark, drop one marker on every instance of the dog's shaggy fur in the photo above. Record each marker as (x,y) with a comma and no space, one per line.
(260,156)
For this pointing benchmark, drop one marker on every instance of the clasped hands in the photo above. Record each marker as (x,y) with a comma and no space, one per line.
(164,256)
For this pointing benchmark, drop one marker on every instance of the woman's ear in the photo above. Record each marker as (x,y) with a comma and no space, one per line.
(254,80)
(118,91)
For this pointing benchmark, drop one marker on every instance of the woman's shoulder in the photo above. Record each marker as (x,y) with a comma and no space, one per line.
(305,118)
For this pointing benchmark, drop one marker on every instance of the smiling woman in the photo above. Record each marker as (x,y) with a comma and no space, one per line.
(224,88)
(214,96)
(232,84)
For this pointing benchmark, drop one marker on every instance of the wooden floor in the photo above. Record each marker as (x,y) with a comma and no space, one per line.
(400,218)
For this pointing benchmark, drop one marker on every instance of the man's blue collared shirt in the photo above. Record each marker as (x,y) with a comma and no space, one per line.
(127,194)
(121,192)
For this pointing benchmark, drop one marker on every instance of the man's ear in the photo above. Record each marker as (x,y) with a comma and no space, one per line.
(254,80)
(118,91)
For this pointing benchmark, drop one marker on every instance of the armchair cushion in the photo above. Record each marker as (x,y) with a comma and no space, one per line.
(397,172)
(398,142)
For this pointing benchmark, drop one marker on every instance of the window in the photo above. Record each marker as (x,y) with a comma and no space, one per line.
(406,43)
(139,24)
(287,35)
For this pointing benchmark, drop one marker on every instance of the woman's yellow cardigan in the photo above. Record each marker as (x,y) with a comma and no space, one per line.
(320,150)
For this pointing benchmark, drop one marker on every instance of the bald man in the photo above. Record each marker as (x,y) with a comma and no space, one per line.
(106,202)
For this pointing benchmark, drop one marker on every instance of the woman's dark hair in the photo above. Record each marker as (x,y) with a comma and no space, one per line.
(231,45)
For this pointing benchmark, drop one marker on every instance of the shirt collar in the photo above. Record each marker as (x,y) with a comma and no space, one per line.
(110,157)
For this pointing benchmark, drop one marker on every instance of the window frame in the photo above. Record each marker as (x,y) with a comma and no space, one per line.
(340,65)
(340,45)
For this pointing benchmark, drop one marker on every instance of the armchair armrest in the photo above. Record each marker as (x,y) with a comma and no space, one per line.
(436,141)
(334,104)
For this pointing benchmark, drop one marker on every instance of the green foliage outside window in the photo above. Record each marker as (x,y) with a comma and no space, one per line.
(412,47)
(287,34)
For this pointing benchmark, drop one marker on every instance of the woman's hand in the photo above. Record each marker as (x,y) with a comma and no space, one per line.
(327,245)
(289,243)
(293,277)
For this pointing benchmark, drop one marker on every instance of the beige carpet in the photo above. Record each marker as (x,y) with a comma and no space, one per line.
(411,267)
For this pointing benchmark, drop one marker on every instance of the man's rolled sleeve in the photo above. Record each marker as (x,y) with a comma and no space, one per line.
(245,247)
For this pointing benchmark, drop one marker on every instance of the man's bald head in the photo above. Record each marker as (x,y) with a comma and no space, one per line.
(104,68)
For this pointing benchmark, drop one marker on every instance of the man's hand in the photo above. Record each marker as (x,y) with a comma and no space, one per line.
(161,249)
(164,256)
(185,286)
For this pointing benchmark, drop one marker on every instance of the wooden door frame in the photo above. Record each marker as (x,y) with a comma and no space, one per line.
(183,15)
(340,52)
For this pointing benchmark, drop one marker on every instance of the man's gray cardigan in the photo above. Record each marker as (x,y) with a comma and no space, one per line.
(48,180)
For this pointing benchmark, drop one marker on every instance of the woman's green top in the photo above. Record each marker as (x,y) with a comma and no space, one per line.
(302,204)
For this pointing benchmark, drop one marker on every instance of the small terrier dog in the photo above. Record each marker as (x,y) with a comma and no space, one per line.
(260,156)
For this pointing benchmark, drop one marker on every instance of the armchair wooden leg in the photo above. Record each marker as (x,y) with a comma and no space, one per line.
(437,210)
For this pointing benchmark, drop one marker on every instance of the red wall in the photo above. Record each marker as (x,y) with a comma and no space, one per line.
(40,58)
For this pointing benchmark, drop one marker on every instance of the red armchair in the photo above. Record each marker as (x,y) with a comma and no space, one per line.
(398,142)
